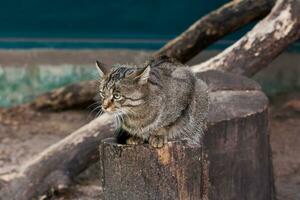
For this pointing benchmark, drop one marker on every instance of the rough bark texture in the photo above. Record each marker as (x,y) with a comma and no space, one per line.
(214,26)
(139,172)
(201,34)
(54,168)
(262,44)
(233,162)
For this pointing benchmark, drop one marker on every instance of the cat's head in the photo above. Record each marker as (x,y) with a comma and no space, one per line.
(122,88)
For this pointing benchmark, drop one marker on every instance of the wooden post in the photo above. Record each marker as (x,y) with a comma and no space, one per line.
(143,172)
(234,161)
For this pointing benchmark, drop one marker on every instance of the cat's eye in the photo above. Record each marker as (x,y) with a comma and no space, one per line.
(117,96)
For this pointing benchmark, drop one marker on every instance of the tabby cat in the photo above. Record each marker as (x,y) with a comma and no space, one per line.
(156,102)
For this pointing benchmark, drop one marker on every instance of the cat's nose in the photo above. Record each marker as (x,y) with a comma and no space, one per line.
(106,104)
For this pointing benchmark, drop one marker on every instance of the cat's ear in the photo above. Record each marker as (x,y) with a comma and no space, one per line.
(143,75)
(102,68)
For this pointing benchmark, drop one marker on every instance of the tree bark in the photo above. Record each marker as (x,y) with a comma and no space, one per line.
(201,34)
(262,44)
(140,172)
(232,163)
(214,26)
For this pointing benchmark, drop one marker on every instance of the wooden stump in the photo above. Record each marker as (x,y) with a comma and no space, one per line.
(140,172)
(234,161)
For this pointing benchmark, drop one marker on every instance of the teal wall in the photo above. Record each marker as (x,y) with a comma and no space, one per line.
(100,18)
(99,23)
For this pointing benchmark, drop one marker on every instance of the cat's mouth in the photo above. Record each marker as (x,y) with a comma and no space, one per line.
(109,110)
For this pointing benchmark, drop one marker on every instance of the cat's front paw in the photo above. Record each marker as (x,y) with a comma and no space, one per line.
(157,141)
(134,140)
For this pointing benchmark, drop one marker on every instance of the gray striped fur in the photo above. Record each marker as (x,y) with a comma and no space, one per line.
(171,101)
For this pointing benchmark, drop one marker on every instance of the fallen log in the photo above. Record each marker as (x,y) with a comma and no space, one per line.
(232,163)
(201,34)
(262,44)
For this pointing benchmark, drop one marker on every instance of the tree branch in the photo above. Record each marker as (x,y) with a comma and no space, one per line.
(262,44)
(214,26)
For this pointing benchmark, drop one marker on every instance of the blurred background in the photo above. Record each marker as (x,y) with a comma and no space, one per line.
(48,44)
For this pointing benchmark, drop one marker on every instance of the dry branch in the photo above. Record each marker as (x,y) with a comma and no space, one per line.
(201,34)
(214,26)
(262,44)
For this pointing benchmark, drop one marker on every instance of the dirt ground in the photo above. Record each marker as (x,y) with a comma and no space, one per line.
(23,134)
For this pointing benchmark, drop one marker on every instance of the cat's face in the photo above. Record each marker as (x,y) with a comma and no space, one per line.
(122,88)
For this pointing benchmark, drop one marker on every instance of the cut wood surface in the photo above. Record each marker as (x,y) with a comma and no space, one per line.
(262,44)
(233,162)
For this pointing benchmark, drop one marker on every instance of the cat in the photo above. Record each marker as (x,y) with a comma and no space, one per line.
(159,101)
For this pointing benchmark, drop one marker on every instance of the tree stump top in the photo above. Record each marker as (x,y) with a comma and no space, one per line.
(232,96)
(220,81)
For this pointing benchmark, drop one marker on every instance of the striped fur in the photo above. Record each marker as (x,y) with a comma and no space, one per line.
(162,98)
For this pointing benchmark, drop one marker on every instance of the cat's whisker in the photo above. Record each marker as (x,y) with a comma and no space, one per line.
(98,107)
(93,104)
(118,120)
(99,113)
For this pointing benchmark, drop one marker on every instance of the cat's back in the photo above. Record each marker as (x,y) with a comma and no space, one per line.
(175,82)
(172,72)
